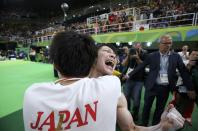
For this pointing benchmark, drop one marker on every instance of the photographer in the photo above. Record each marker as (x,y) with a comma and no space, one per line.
(134,84)
(122,53)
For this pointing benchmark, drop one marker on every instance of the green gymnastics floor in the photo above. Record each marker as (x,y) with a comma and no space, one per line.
(15,77)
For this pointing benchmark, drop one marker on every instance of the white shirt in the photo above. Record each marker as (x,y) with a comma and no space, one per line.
(162,78)
(89,104)
(184,57)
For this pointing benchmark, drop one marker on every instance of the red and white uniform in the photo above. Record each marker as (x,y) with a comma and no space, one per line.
(88,104)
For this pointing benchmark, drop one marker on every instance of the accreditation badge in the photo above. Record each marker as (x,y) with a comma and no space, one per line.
(164,78)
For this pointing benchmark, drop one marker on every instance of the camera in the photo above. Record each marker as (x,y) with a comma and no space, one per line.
(132,51)
(121,51)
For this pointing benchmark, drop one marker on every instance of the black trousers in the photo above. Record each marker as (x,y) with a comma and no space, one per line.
(161,93)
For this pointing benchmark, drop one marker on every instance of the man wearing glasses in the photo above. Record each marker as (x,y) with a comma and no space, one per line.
(162,78)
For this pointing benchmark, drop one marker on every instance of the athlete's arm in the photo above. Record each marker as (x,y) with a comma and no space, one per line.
(125,120)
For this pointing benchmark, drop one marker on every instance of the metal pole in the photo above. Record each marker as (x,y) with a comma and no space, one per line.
(65,7)
(110,6)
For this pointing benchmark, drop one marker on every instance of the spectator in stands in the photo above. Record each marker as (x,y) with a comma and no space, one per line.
(162,78)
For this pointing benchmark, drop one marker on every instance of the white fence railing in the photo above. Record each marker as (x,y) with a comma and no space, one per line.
(196,19)
(148,24)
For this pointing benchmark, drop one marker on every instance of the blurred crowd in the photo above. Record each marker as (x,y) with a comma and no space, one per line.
(18,24)
(12,55)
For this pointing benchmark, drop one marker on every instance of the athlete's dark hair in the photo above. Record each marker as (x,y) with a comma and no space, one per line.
(110,46)
(73,54)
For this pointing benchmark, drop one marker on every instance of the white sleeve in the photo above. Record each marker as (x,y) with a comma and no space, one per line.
(113,84)
(26,112)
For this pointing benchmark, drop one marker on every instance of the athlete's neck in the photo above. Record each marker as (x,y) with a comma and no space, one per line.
(94,73)
(67,80)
